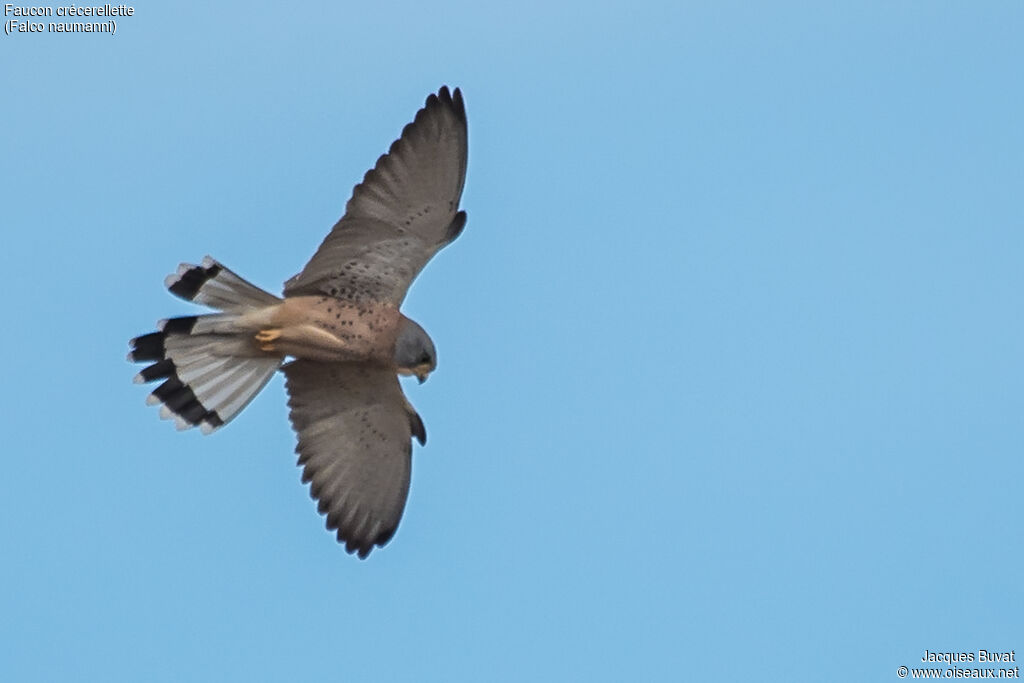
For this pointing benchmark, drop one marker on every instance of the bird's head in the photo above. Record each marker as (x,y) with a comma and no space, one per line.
(414,351)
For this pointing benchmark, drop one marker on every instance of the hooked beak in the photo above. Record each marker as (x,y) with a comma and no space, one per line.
(420,372)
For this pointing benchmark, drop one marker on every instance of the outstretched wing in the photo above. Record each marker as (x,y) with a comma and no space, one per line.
(355,432)
(404,211)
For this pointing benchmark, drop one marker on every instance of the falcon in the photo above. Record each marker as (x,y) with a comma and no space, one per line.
(340,325)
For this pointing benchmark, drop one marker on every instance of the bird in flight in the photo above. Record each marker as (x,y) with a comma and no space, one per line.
(339,322)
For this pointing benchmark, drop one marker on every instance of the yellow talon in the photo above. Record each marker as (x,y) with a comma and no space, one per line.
(266,339)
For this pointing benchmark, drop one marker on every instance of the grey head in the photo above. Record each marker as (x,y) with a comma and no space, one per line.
(414,351)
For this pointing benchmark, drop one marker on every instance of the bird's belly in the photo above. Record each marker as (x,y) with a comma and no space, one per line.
(326,329)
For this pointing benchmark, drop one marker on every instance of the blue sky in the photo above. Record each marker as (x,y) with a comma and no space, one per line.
(730,372)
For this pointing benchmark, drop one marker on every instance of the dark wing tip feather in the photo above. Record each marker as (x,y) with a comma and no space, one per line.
(425,117)
(456,227)
(453,101)
(362,546)
(353,534)
(418,430)
(357,543)
(450,100)
(459,105)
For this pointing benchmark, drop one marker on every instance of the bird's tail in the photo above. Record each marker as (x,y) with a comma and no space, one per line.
(213,285)
(210,365)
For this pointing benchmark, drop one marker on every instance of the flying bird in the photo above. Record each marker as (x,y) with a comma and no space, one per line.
(339,322)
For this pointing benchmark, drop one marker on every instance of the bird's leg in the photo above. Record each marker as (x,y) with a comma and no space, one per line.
(266,338)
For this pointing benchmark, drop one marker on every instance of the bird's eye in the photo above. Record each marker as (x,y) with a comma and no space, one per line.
(425,358)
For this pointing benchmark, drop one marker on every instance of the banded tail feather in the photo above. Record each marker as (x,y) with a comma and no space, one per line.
(207,377)
(208,365)
(212,284)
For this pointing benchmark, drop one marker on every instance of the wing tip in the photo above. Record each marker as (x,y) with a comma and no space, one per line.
(451,99)
(356,533)
(417,428)
(362,547)
(456,227)
(358,545)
